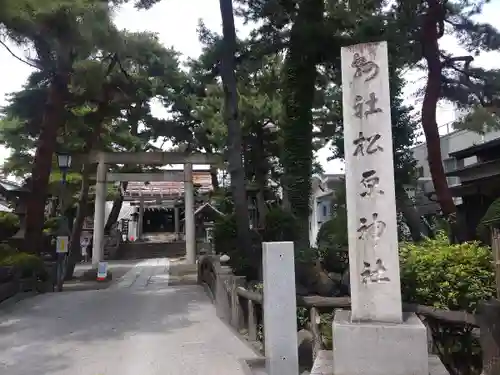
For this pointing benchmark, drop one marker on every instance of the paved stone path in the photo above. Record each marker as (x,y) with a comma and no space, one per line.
(141,325)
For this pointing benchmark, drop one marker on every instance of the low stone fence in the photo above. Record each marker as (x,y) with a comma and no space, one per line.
(465,342)
(10,284)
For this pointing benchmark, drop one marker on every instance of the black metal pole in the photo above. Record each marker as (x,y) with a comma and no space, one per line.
(62,231)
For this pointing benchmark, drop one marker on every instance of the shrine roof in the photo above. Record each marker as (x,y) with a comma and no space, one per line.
(476,149)
(208,207)
(6,185)
(201,179)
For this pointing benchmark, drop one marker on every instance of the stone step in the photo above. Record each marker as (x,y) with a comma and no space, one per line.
(323,364)
(145,250)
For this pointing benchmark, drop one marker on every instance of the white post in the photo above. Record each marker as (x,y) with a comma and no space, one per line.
(132,230)
(189,214)
(99,215)
(280,317)
(177,222)
(371,202)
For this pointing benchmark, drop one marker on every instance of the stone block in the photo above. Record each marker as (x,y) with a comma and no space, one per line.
(91,275)
(373,348)
(323,364)
(280,306)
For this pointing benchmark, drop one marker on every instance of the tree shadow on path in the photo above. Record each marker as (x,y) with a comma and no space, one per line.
(48,333)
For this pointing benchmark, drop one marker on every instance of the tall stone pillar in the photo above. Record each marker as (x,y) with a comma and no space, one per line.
(189,214)
(375,337)
(177,222)
(99,214)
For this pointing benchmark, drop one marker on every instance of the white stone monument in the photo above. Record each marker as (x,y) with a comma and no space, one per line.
(280,306)
(375,337)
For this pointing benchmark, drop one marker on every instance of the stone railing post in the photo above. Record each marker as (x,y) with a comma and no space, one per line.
(223,276)
(252,321)
(489,323)
(237,318)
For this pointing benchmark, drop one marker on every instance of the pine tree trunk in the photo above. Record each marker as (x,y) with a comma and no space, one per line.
(81,213)
(260,171)
(285,202)
(234,136)
(91,141)
(51,122)
(115,210)
(118,201)
(412,218)
(299,89)
(214,177)
(433,29)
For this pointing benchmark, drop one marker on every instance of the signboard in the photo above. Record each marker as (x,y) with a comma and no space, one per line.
(102,271)
(124,226)
(88,223)
(62,244)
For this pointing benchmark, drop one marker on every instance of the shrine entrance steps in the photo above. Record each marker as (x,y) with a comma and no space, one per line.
(148,250)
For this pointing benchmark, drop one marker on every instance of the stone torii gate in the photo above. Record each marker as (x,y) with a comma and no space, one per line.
(102,159)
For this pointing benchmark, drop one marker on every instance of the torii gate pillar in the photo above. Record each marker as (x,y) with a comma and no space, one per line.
(189,224)
(99,214)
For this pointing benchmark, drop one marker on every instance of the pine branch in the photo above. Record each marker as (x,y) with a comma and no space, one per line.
(17,57)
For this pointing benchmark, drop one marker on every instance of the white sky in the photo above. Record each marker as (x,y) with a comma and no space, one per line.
(175,21)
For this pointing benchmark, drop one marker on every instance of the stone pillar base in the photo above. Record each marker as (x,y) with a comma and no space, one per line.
(375,348)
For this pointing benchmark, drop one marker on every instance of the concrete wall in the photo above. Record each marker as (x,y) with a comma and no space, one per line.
(450,143)
(323,192)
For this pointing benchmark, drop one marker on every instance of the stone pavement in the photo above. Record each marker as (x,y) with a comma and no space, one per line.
(141,325)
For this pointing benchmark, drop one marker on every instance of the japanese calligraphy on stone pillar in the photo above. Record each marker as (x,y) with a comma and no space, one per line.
(366,144)
(364,67)
(370,182)
(373,248)
(364,107)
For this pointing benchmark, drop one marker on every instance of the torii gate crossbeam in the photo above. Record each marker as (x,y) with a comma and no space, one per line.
(151,158)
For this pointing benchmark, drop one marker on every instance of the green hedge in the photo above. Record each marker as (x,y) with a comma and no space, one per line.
(6,250)
(51,224)
(333,244)
(9,225)
(25,265)
(456,277)
(226,242)
(280,226)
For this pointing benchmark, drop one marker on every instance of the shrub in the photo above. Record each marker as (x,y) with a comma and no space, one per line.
(9,225)
(332,238)
(225,241)
(280,226)
(224,234)
(26,265)
(455,277)
(6,250)
(51,225)
(490,218)
(333,244)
